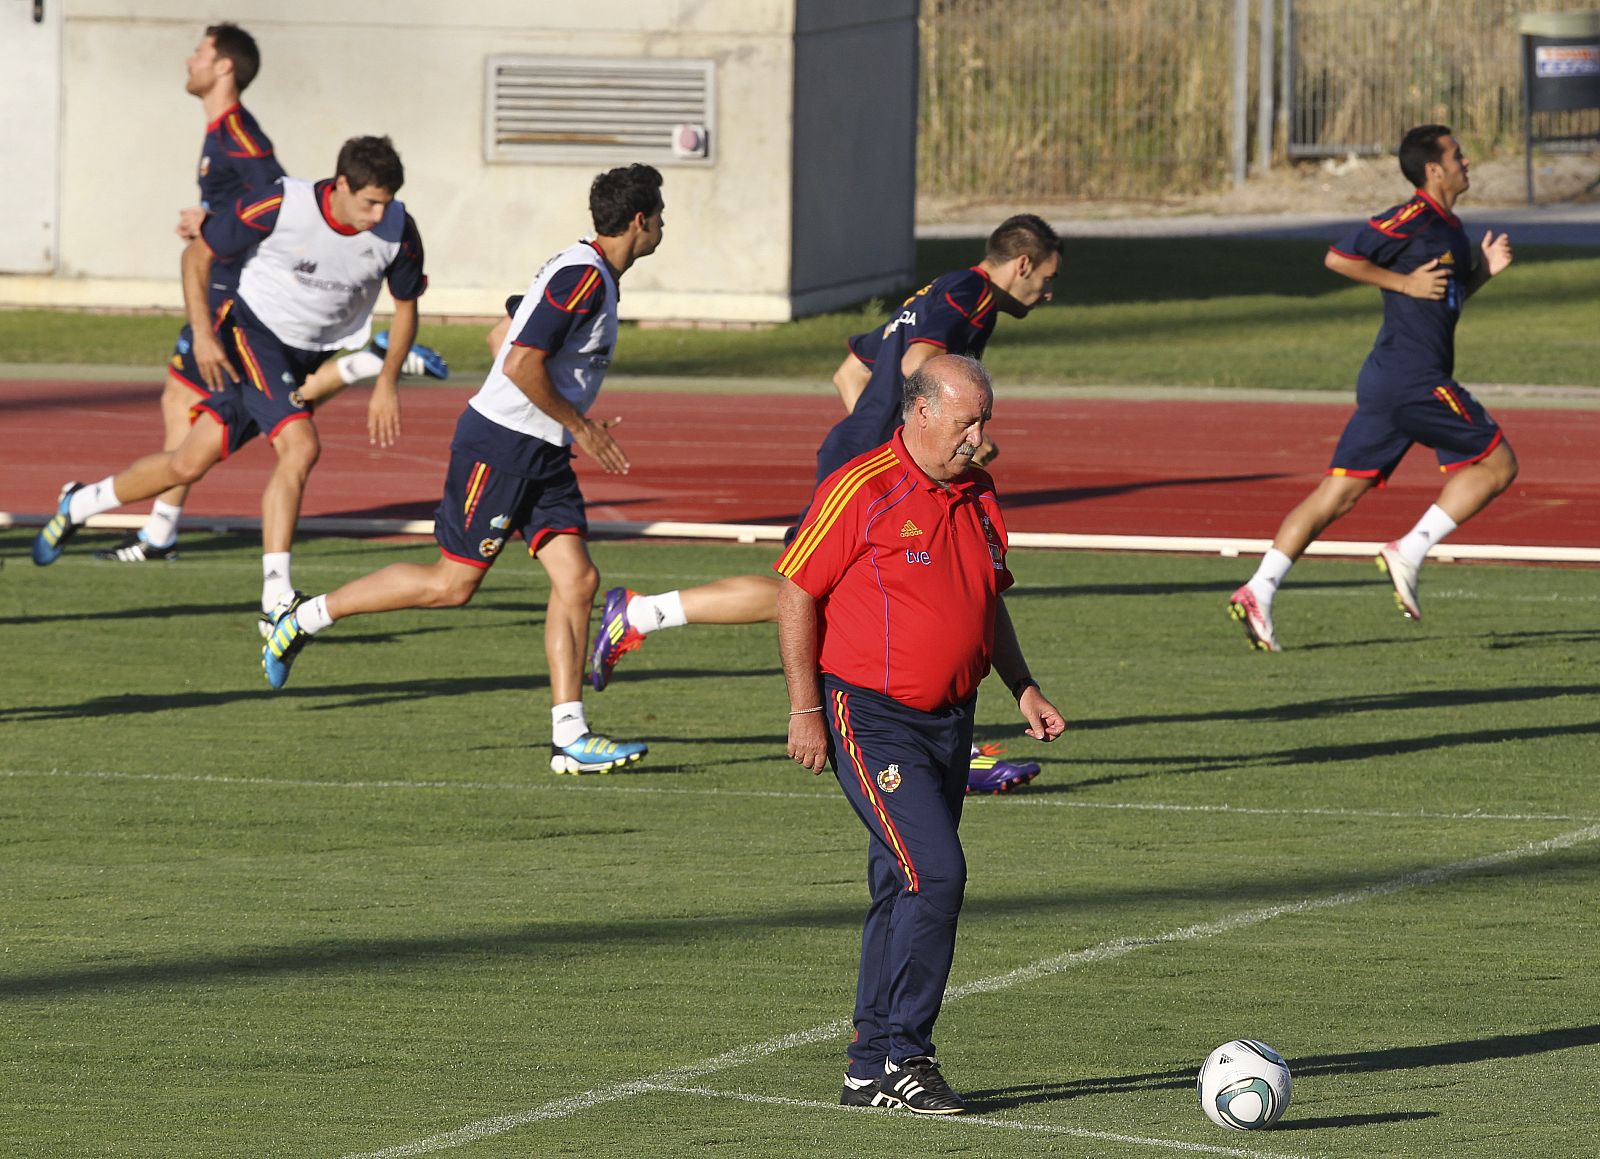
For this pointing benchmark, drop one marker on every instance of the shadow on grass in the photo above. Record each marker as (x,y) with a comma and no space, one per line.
(1346,705)
(1401,1058)
(1190,764)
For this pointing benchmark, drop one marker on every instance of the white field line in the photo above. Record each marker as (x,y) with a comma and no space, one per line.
(1044,967)
(1017,800)
(1228,546)
(993,1122)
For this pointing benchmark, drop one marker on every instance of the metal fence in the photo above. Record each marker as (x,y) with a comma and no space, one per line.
(1360,71)
(1039,99)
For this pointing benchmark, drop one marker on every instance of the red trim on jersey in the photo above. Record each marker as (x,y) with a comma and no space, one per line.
(242,137)
(1447,396)
(224,115)
(252,364)
(480,564)
(475,488)
(1407,212)
(869,789)
(173,374)
(1489,450)
(929,342)
(545,534)
(325,203)
(273,433)
(1450,218)
(1333,249)
(197,411)
(249,213)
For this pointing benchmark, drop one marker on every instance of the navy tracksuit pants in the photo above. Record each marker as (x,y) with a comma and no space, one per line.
(905,773)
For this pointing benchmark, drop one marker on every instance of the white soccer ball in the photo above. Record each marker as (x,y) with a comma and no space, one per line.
(1244,1084)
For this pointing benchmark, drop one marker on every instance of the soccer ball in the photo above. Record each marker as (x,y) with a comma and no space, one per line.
(1243,1084)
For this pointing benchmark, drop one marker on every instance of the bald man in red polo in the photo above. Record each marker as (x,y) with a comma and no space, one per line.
(890,618)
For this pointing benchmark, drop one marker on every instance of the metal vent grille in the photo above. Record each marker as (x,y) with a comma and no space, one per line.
(566,109)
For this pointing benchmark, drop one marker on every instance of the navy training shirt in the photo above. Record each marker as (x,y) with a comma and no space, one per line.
(235,158)
(1415,348)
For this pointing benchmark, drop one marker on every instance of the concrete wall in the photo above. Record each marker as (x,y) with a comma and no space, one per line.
(792,213)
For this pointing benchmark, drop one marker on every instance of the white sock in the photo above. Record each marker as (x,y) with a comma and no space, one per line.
(567,723)
(1430,529)
(1269,574)
(648,613)
(354,367)
(312,615)
(161,529)
(275,579)
(93,500)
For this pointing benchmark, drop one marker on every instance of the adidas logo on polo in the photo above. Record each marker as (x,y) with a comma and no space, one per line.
(909,529)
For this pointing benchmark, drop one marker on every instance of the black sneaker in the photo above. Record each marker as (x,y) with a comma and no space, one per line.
(137,549)
(917,1085)
(864,1093)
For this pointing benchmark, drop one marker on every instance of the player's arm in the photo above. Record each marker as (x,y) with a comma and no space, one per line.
(797,645)
(1426,281)
(525,367)
(850,380)
(1045,721)
(215,369)
(189,222)
(1496,257)
(383,409)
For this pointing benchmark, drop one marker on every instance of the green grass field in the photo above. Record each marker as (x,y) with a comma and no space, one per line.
(360,916)
(1161,311)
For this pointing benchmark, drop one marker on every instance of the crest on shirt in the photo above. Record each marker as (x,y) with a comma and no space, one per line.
(889,779)
(997,557)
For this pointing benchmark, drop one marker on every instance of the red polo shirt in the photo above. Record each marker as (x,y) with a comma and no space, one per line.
(907,576)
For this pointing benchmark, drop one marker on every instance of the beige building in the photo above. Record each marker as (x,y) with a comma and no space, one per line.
(785,130)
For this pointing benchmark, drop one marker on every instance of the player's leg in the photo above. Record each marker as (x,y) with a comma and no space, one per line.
(574,580)
(1369,449)
(445,583)
(144,478)
(298,447)
(471,523)
(903,773)
(1480,465)
(629,617)
(157,539)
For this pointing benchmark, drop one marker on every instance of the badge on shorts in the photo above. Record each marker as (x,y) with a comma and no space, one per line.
(296,399)
(889,779)
(490,548)
(500,522)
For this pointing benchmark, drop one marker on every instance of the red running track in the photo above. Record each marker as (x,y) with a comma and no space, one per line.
(1086,466)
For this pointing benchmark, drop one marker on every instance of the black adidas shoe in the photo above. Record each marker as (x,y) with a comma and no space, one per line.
(917,1085)
(137,549)
(858,1093)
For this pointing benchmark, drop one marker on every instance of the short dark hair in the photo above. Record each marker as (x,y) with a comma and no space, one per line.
(1025,233)
(239,46)
(924,382)
(616,195)
(1417,148)
(365,161)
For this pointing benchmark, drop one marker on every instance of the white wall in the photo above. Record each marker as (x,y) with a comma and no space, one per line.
(414,69)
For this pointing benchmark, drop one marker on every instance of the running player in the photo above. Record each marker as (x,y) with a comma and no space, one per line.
(511,468)
(1418,254)
(315,257)
(236,158)
(953,314)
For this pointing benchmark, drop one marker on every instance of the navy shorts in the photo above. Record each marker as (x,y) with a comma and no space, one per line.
(266,396)
(484,505)
(1448,420)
